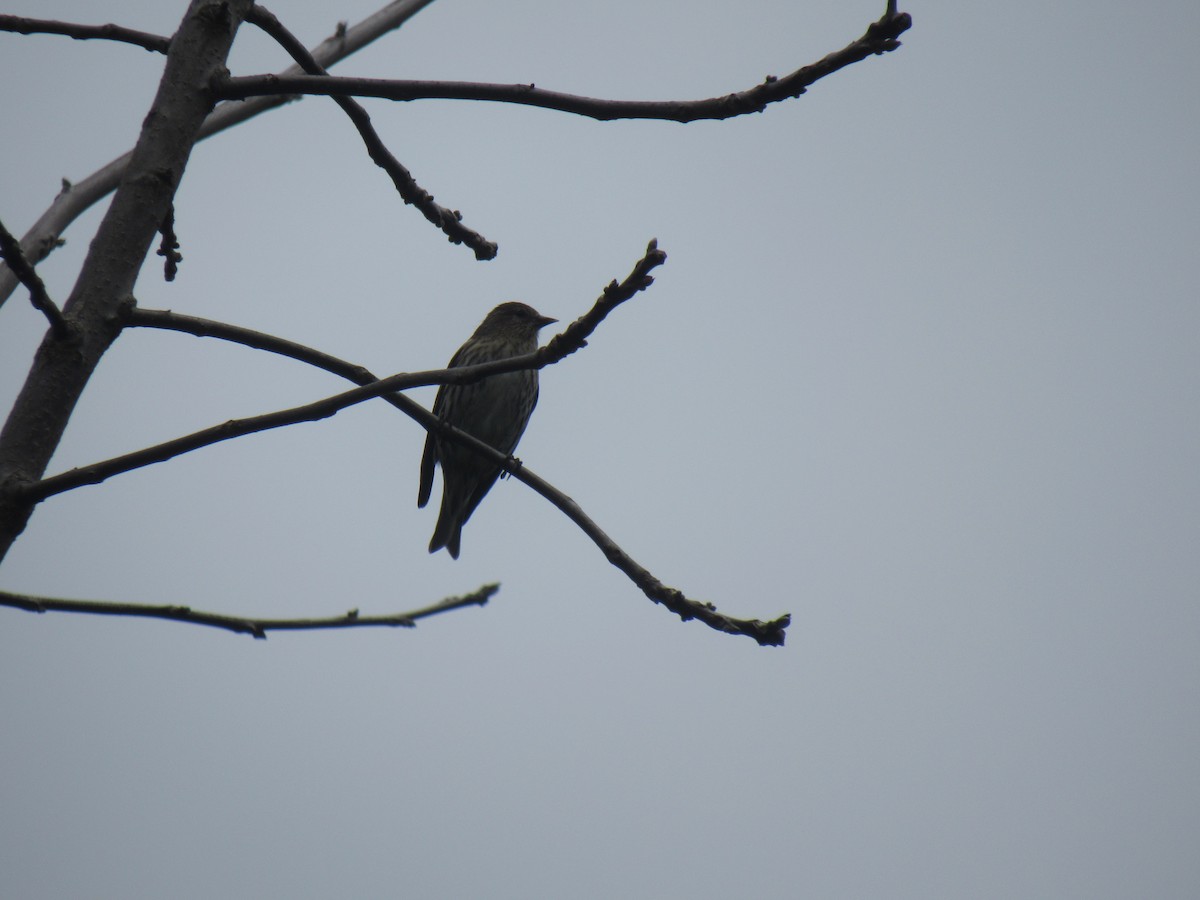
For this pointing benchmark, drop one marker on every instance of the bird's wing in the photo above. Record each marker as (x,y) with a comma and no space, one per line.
(429,457)
(428,460)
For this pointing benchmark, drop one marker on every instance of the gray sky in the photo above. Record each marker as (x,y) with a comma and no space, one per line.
(921,369)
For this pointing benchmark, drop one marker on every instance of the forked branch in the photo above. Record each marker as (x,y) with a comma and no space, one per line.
(571,339)
(574,337)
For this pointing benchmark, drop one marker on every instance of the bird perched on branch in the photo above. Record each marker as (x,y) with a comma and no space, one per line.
(495,410)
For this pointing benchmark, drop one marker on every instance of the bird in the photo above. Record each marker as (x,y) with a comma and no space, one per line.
(494,409)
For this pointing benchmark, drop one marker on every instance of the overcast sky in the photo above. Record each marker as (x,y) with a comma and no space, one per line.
(921,369)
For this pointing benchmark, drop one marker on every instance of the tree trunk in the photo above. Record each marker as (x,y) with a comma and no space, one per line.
(62,367)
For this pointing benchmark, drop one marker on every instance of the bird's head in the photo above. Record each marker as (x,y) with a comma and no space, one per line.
(515,317)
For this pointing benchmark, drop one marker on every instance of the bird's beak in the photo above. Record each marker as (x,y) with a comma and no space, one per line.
(543,321)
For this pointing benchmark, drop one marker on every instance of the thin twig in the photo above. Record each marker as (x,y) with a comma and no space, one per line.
(153,42)
(10,250)
(448,220)
(880,37)
(241,624)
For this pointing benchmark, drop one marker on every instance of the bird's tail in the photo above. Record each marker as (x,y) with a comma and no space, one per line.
(447,534)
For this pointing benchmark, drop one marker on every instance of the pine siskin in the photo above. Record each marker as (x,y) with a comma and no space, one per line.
(495,410)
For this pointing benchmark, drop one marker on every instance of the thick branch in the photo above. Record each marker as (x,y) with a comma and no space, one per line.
(880,37)
(154,42)
(45,235)
(448,220)
(240,624)
(10,250)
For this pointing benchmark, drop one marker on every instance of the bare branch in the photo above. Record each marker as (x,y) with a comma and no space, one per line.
(240,624)
(153,42)
(96,473)
(880,37)
(768,634)
(448,220)
(45,235)
(137,317)
(572,338)
(771,633)
(10,250)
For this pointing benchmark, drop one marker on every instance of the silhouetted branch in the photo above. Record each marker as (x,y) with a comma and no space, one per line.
(10,250)
(574,337)
(153,42)
(240,624)
(768,634)
(448,220)
(45,235)
(880,37)
(137,317)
